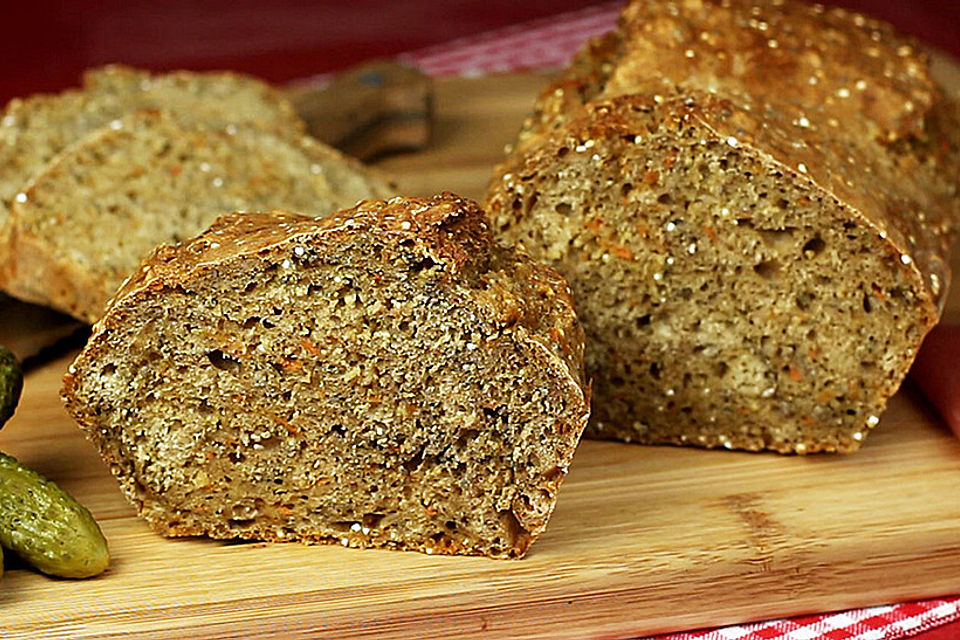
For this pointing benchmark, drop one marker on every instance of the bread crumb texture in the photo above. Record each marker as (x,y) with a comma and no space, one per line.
(33,130)
(753,203)
(89,216)
(388,376)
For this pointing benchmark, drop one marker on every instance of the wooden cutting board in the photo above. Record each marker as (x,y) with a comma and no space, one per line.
(644,539)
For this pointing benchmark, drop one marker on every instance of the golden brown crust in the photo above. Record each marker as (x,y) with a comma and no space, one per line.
(239,234)
(448,226)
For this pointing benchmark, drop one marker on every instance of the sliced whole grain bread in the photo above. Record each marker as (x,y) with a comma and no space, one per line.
(212,96)
(83,224)
(35,129)
(388,376)
(753,201)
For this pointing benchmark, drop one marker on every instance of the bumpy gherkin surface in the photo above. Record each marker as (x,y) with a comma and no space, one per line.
(47,527)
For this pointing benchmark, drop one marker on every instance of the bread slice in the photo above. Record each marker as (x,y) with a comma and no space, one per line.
(753,202)
(385,377)
(212,96)
(83,224)
(34,130)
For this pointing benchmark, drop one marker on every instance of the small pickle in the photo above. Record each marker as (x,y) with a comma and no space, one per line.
(46,527)
(11,383)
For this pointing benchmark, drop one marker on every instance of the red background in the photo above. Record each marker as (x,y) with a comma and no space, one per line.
(45,45)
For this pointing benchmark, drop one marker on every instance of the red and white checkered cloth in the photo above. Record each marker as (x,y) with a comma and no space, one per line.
(891,622)
(550,42)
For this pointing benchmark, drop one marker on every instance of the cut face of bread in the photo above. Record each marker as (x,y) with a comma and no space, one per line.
(754,221)
(34,130)
(386,377)
(85,222)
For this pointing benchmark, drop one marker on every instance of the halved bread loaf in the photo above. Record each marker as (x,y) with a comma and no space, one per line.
(753,201)
(34,130)
(385,377)
(83,224)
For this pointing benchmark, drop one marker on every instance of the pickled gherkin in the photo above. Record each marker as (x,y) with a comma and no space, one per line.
(11,382)
(47,527)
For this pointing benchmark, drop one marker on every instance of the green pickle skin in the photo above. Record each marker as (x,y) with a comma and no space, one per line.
(11,383)
(47,527)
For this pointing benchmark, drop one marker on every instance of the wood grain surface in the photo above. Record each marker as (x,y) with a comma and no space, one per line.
(644,539)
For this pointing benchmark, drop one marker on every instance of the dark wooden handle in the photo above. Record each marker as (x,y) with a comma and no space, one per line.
(371,110)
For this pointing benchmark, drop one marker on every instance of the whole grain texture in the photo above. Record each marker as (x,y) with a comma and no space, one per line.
(33,130)
(85,221)
(753,202)
(389,376)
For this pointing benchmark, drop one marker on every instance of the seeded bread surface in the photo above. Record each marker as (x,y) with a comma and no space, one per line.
(753,202)
(35,129)
(84,223)
(388,376)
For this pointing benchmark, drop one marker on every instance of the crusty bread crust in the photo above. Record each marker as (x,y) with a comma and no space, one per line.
(851,130)
(501,286)
(449,226)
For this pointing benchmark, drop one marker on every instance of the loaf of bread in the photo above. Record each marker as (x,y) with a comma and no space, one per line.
(752,201)
(385,377)
(85,221)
